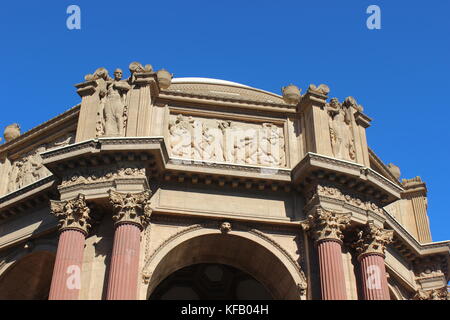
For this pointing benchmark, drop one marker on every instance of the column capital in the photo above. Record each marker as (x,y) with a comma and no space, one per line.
(131,208)
(326,225)
(433,294)
(72,214)
(372,240)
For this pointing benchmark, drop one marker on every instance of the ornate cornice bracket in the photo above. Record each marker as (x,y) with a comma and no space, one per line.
(326,225)
(72,214)
(372,240)
(132,208)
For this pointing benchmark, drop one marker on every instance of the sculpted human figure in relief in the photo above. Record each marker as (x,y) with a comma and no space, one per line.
(115,104)
(271,145)
(180,137)
(340,131)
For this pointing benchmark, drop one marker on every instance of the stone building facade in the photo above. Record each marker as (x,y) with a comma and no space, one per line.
(156,187)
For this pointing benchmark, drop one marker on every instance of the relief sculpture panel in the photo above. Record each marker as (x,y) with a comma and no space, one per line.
(226,141)
(29,168)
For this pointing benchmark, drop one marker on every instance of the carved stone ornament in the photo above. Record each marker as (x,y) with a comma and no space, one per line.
(291,94)
(11,132)
(72,214)
(321,89)
(372,239)
(342,141)
(225,227)
(226,141)
(131,208)
(434,294)
(326,225)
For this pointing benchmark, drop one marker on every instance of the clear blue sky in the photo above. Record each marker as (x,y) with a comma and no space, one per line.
(400,74)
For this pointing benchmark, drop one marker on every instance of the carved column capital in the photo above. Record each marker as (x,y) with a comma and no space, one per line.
(72,214)
(326,225)
(372,240)
(433,294)
(131,208)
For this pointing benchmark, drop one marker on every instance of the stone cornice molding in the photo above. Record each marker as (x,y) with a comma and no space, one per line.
(349,174)
(40,131)
(326,225)
(383,167)
(231,102)
(131,208)
(372,240)
(72,214)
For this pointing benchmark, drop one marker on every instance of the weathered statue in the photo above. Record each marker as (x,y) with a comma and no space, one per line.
(340,131)
(12,132)
(115,104)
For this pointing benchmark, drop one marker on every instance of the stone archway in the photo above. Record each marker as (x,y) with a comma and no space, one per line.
(28,278)
(245,251)
(211,281)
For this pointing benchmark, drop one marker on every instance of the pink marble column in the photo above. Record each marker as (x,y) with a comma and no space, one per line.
(326,228)
(371,246)
(373,275)
(74,225)
(131,215)
(123,276)
(66,280)
(332,280)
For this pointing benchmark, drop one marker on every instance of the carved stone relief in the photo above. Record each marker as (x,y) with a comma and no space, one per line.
(226,141)
(342,140)
(348,197)
(101,174)
(29,168)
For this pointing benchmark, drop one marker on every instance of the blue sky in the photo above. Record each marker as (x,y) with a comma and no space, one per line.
(400,74)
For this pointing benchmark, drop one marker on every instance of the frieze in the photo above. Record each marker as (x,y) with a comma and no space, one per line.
(348,197)
(90,175)
(226,141)
(29,168)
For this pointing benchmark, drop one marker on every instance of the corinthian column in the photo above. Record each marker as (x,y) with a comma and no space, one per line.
(326,229)
(131,215)
(74,225)
(371,245)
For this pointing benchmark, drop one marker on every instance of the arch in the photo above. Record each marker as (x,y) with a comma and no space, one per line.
(250,251)
(27,272)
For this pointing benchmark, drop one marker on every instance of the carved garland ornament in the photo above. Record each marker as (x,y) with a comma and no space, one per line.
(348,198)
(72,214)
(131,208)
(95,175)
(372,239)
(326,225)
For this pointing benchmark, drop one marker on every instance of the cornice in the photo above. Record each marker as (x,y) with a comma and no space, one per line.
(377,160)
(182,97)
(352,175)
(40,130)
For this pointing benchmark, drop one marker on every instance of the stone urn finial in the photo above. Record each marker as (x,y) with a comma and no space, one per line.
(164,78)
(291,94)
(395,170)
(12,132)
